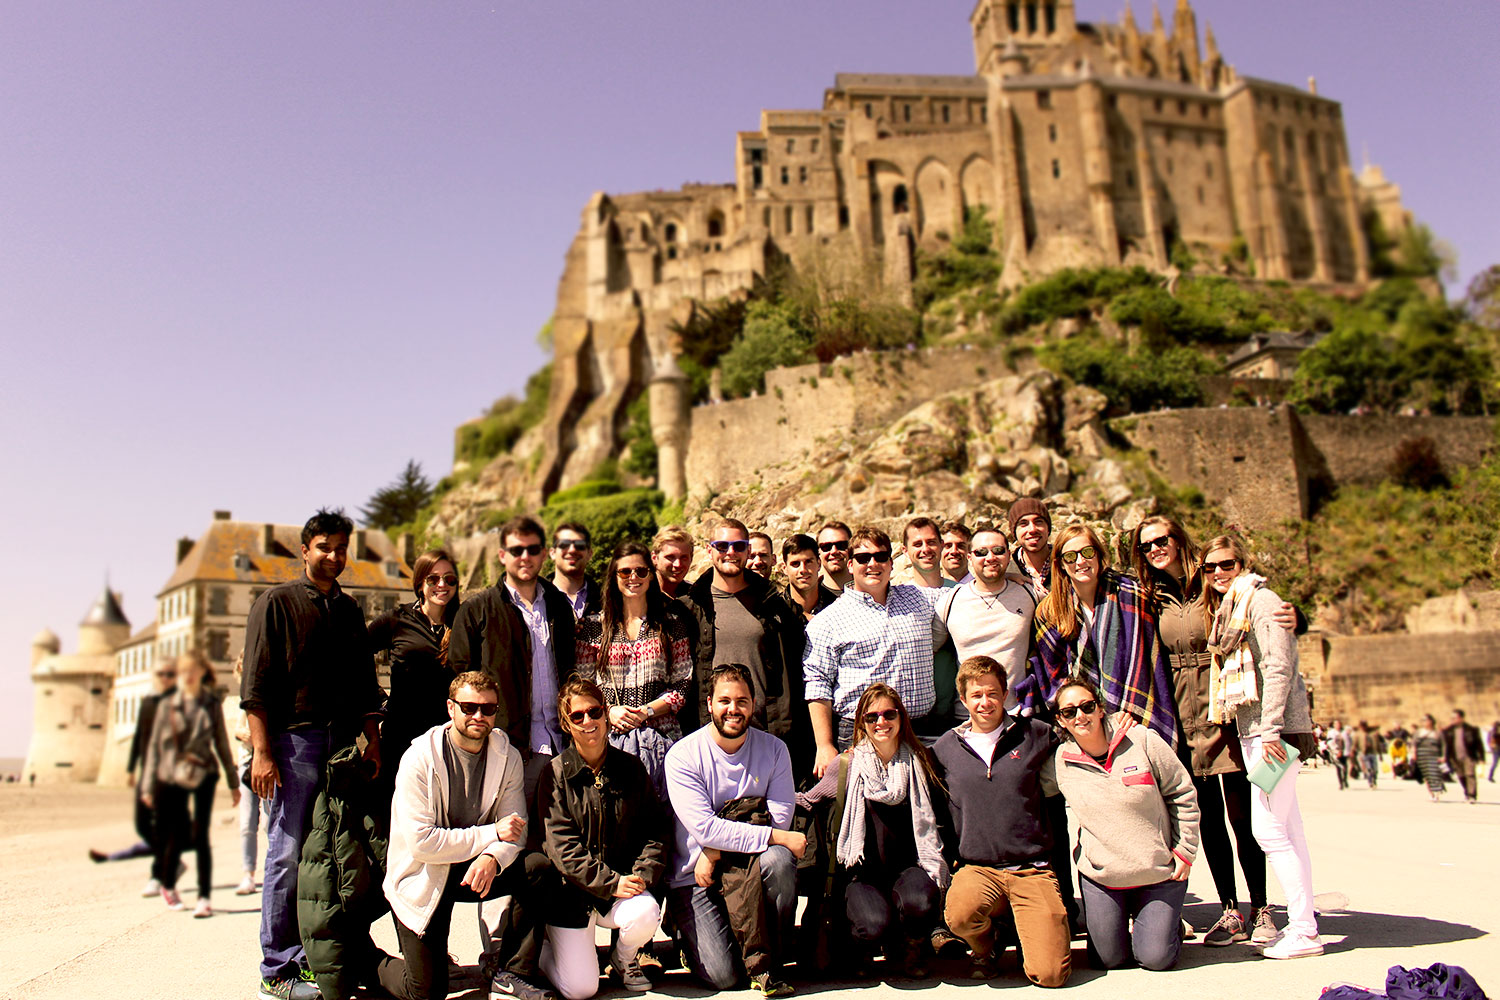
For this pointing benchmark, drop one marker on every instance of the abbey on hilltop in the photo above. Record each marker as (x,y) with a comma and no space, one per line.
(1087,145)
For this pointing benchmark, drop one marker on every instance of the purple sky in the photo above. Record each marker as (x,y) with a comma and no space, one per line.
(257,255)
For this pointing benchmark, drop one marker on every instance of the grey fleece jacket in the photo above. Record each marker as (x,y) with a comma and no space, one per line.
(1282,707)
(1135,811)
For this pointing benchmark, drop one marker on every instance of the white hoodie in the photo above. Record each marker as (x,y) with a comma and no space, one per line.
(423,846)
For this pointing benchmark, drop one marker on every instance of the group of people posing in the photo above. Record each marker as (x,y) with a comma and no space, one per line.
(647,751)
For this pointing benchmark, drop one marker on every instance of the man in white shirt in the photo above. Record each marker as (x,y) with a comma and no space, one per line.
(991,615)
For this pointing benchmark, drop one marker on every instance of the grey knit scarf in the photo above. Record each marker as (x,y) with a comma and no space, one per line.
(870,780)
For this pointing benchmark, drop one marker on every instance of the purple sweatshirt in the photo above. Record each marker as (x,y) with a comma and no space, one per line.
(701,778)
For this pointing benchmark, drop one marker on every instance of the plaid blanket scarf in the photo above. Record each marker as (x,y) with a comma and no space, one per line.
(1231,683)
(1120,654)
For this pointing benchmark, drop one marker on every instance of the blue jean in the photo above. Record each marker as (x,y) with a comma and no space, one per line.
(300,756)
(703,924)
(1371,765)
(1156,936)
(910,905)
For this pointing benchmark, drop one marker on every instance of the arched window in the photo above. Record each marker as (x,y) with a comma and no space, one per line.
(900,200)
(715,224)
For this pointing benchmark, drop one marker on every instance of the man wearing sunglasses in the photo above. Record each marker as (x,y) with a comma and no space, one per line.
(572,546)
(875,631)
(742,619)
(992,614)
(833,552)
(458,835)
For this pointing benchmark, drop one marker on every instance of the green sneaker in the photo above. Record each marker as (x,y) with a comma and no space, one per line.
(287,989)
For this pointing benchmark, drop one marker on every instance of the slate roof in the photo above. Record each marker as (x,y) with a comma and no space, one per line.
(272,553)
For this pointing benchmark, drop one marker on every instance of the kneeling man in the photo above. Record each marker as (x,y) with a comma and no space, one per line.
(997,769)
(458,832)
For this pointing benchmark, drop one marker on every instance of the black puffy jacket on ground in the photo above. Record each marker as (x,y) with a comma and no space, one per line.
(339,876)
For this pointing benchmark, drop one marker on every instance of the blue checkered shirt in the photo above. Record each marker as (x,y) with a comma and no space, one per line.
(855,642)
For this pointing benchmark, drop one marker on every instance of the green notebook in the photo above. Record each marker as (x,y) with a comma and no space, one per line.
(1268,772)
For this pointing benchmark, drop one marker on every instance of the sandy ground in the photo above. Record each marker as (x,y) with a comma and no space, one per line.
(1399,880)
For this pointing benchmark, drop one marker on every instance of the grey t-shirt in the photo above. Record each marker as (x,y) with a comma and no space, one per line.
(465,783)
(737,636)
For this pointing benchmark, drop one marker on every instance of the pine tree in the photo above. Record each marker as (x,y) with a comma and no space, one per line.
(399,502)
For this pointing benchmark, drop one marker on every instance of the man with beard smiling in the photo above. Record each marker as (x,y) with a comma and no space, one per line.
(730,763)
(1031,562)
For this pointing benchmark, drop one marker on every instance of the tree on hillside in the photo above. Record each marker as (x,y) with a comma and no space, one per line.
(399,502)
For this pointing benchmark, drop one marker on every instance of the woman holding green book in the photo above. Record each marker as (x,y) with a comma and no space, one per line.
(1256,684)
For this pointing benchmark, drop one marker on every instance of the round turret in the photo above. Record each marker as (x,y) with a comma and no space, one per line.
(45,644)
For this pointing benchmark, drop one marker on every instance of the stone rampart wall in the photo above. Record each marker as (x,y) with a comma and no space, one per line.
(1360,449)
(1390,679)
(733,439)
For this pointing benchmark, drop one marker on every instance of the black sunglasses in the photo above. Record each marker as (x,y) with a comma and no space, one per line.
(517,551)
(595,712)
(889,715)
(738,545)
(833,546)
(882,556)
(1227,566)
(1159,542)
(1086,707)
(484,708)
(564,544)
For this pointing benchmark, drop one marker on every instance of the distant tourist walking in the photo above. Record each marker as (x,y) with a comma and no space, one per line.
(1464,749)
(250,805)
(1429,753)
(1259,685)
(309,689)
(1494,748)
(186,736)
(1367,746)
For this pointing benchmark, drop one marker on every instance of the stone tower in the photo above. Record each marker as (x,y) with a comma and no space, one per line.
(71,714)
(669,426)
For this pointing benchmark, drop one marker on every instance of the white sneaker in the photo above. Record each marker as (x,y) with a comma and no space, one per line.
(246,886)
(153,888)
(1293,946)
(203,909)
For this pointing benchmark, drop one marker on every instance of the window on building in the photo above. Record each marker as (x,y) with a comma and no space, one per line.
(1200,194)
(1052,133)
(815,144)
(757,177)
(716,224)
(802,174)
(1056,168)
(1031,18)
(1182,108)
(810,217)
(1044,99)
(946,114)
(218,645)
(391,600)
(765,218)
(984,113)
(1169,166)
(1114,102)
(788,217)
(1156,105)
(1209,169)
(1130,179)
(786,175)
(906,112)
(869,110)
(791,145)
(1013,17)
(1051,18)
(218,600)
(1275,103)
(1203,111)
(843,217)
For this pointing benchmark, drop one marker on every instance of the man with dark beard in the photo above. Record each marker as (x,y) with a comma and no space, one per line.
(729,763)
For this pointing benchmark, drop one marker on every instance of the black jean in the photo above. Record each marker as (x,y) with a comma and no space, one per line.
(1218,794)
(422,970)
(910,903)
(176,831)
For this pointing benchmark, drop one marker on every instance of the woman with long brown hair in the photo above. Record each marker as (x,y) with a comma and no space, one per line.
(416,634)
(889,851)
(636,649)
(1095,623)
(1256,681)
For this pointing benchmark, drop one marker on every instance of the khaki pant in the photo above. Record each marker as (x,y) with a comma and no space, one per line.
(979,894)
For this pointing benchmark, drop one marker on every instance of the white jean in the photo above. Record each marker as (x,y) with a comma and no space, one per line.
(568,957)
(1276,821)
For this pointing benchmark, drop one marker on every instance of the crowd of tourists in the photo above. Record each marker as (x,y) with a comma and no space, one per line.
(646,753)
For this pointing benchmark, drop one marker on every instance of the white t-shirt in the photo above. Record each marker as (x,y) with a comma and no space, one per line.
(995,625)
(984,743)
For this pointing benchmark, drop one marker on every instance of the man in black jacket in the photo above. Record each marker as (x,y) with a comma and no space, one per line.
(489,636)
(742,619)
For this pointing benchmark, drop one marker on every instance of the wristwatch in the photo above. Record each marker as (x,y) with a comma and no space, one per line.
(650,710)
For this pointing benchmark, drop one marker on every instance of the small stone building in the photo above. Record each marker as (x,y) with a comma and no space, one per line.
(72,696)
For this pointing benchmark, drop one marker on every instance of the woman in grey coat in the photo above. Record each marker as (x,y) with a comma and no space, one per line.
(1256,683)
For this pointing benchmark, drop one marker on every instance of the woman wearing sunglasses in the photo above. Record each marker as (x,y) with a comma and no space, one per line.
(605,832)
(886,841)
(636,649)
(415,635)
(1137,816)
(1095,623)
(1256,682)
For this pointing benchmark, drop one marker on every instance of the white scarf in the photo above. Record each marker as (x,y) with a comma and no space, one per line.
(870,780)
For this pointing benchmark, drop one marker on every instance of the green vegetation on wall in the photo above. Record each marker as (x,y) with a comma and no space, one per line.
(508,418)
(611,514)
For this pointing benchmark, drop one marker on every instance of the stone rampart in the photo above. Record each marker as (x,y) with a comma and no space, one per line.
(1360,449)
(801,405)
(1391,679)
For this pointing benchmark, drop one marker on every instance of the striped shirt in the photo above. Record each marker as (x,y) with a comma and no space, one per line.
(856,642)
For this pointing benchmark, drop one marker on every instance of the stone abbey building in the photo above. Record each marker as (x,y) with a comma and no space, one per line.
(1088,145)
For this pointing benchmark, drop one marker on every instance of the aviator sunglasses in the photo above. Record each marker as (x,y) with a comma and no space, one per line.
(1086,707)
(433,580)
(1087,552)
(595,712)
(627,572)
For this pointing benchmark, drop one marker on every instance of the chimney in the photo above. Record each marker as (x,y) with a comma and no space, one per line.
(361,545)
(184,546)
(222,515)
(406,548)
(268,539)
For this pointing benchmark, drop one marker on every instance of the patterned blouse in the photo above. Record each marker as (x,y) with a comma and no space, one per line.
(658,663)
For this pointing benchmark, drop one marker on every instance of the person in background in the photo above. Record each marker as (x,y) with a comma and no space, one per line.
(804,592)
(1427,748)
(572,547)
(1259,684)
(672,556)
(1137,816)
(415,636)
(956,539)
(1340,748)
(833,552)
(762,557)
(605,832)
(1031,561)
(1494,741)
(887,841)
(181,772)
(1463,748)
(1367,747)
(637,649)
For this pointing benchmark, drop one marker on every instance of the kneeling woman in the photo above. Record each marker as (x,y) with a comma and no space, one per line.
(887,840)
(605,833)
(1137,814)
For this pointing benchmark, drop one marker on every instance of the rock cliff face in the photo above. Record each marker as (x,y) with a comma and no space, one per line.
(967,454)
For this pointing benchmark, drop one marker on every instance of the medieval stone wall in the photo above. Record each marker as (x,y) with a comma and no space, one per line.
(809,402)
(1360,449)
(1391,679)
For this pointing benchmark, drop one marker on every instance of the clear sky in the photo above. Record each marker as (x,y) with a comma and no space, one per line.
(255,256)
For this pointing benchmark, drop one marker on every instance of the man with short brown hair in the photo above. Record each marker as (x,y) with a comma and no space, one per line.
(672,555)
(833,552)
